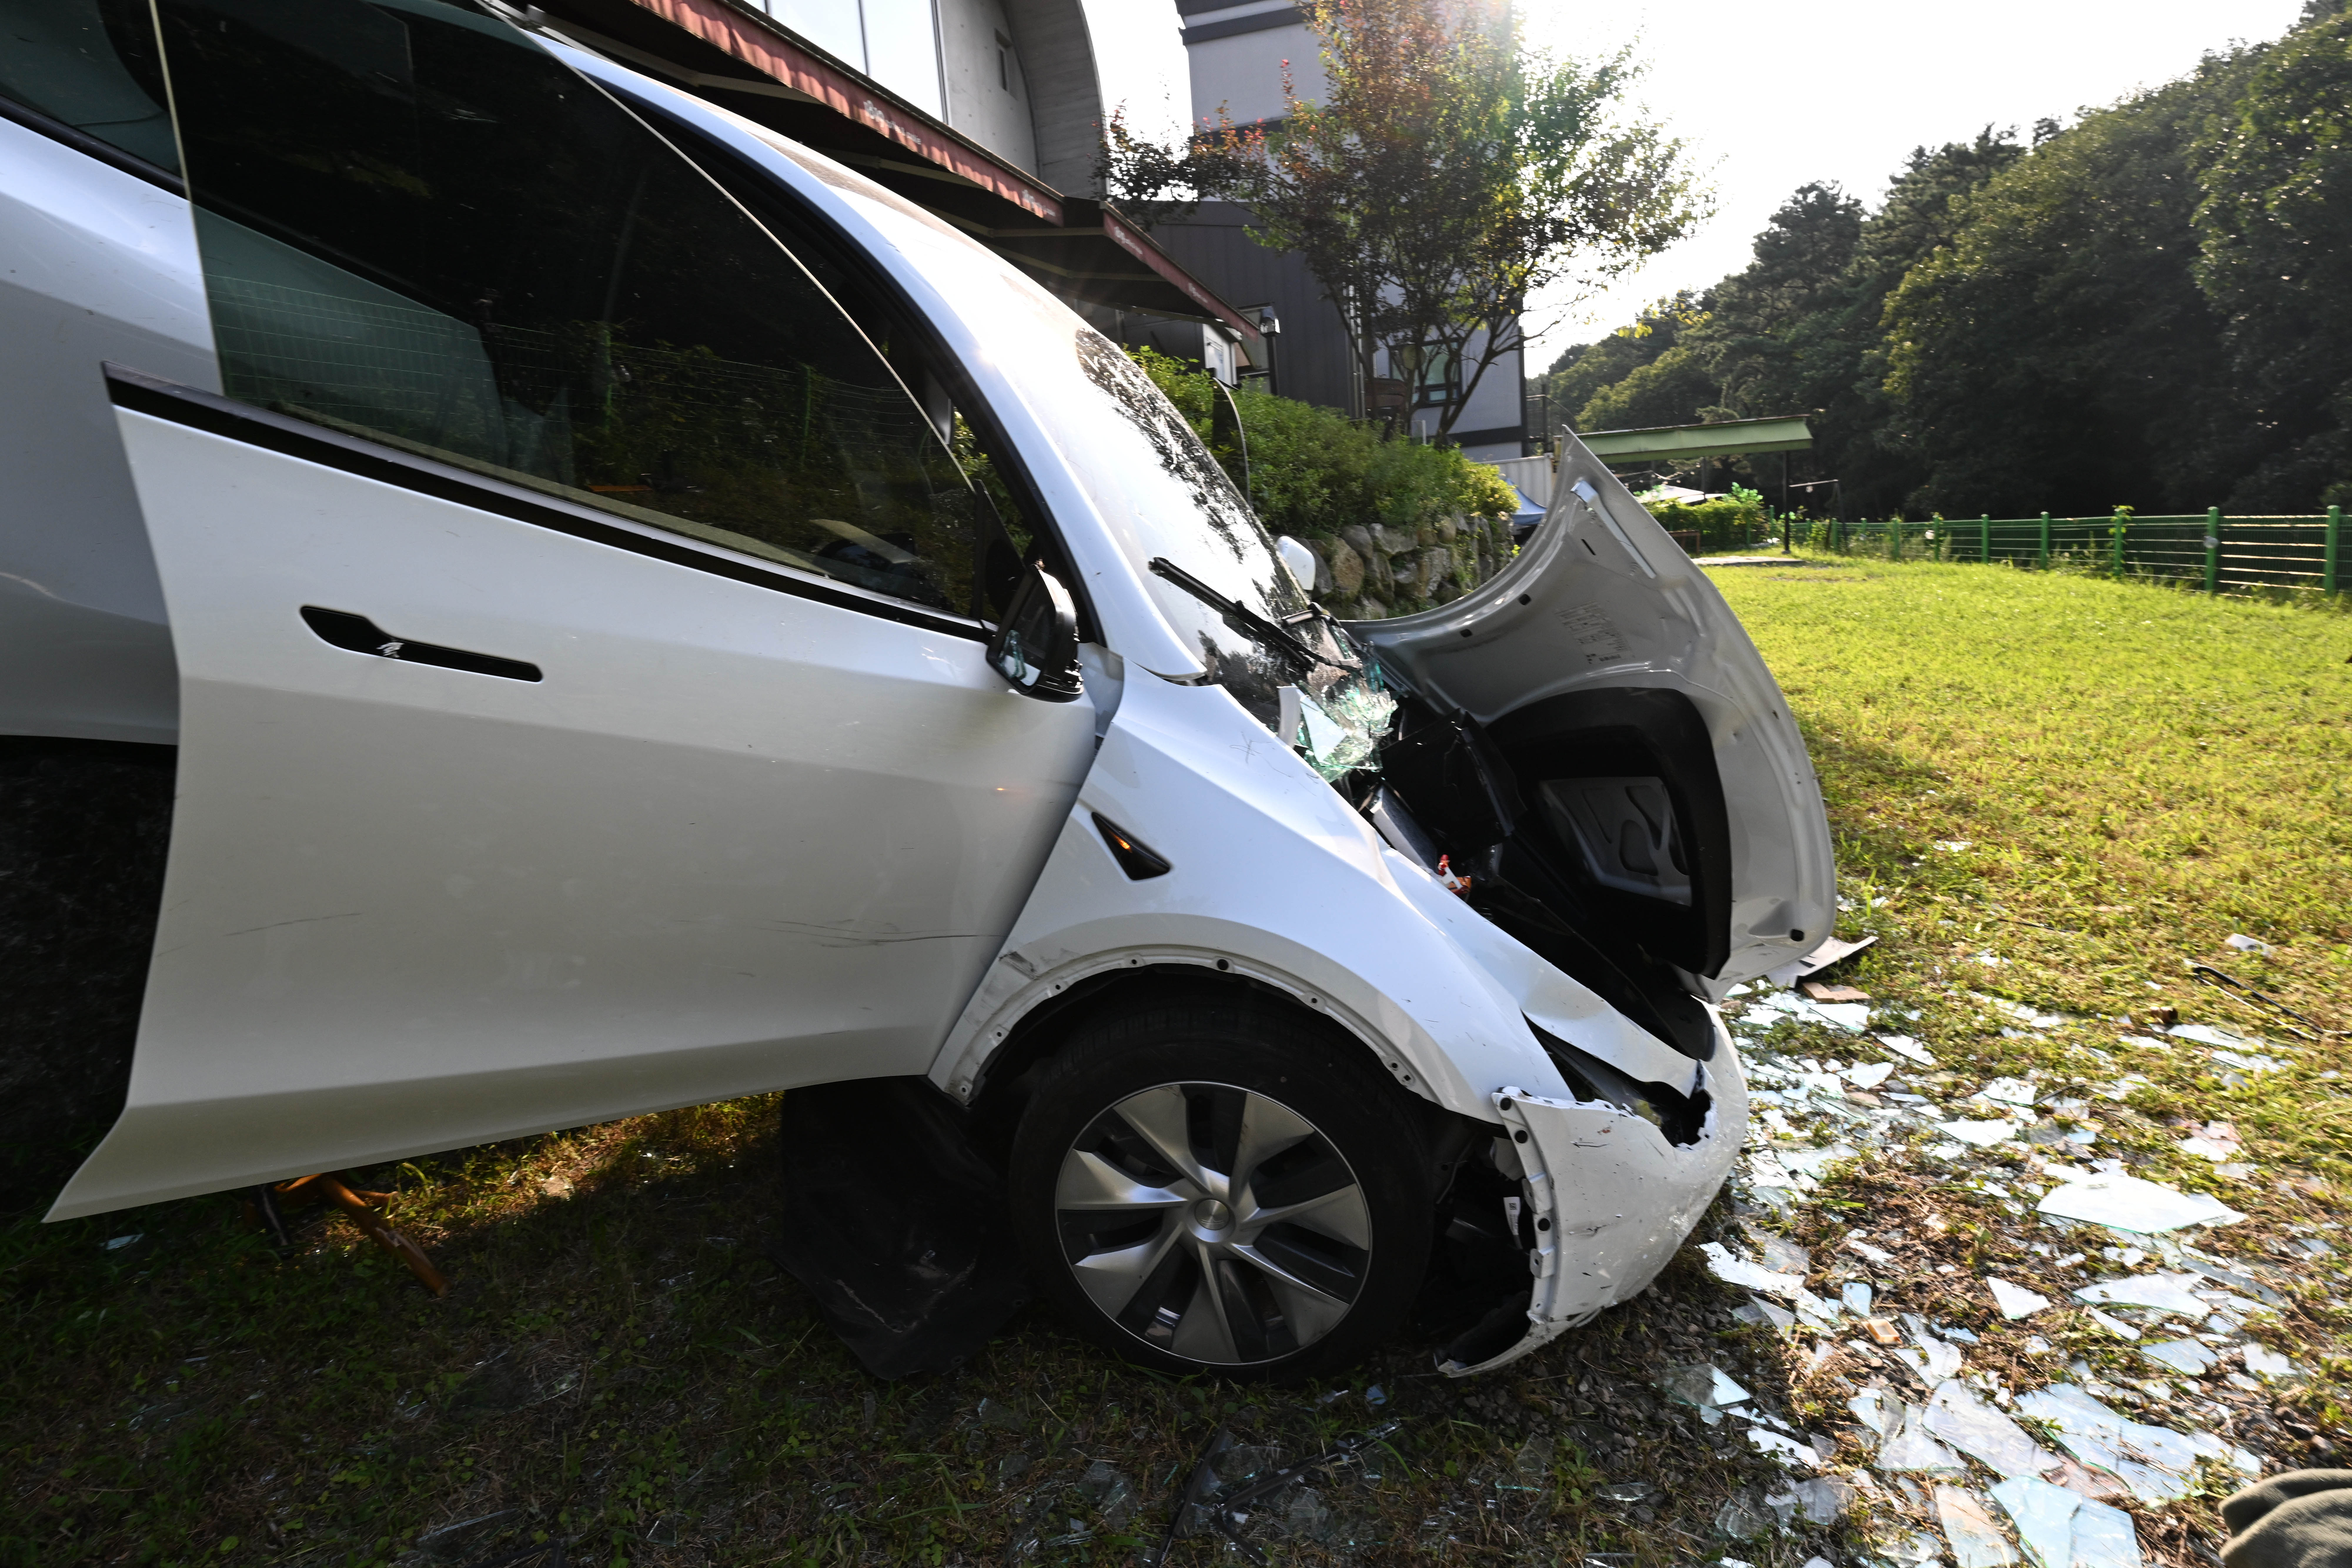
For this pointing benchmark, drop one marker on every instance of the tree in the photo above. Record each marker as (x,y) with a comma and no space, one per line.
(1584,369)
(1799,329)
(1675,388)
(2275,230)
(1750,342)
(1447,175)
(2056,354)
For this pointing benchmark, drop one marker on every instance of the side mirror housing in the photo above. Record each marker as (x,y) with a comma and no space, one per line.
(1037,644)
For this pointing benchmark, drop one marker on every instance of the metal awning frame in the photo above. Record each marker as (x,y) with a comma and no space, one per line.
(1678,443)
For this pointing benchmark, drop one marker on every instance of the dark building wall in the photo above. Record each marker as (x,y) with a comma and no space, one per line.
(1311,361)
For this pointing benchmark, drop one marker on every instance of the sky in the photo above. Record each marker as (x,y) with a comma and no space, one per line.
(1772,95)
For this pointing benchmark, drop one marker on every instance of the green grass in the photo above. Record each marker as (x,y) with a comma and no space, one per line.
(2140,770)
(2139,773)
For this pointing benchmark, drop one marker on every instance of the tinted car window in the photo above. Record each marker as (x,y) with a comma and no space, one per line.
(89,64)
(420,226)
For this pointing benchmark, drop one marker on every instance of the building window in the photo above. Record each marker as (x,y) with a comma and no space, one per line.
(1435,377)
(1005,62)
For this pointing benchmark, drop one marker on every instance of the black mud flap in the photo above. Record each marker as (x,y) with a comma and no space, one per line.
(896,1225)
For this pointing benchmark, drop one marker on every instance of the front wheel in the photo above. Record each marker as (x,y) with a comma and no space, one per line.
(1206,1183)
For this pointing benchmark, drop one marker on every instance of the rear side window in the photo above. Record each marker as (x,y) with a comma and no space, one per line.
(419,226)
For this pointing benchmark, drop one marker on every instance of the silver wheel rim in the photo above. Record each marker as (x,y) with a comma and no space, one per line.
(1213,1223)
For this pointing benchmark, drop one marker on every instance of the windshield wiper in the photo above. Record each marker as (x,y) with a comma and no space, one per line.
(1240,617)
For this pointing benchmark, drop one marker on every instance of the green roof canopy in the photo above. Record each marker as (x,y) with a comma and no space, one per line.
(1670,442)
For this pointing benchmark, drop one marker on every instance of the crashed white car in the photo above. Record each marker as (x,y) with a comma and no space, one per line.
(648,616)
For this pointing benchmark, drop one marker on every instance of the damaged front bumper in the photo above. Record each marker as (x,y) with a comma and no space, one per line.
(1609,1202)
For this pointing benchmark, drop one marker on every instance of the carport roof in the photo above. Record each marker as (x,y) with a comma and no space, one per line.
(1732,438)
(1077,248)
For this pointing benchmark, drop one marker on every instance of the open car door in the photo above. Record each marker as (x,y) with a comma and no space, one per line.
(584,708)
(1596,726)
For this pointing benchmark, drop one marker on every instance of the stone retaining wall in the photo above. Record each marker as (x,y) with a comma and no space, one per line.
(1372,572)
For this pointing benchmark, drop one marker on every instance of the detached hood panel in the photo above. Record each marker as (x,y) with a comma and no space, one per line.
(1613,660)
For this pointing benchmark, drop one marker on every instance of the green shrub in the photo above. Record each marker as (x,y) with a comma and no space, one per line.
(1727,523)
(1313,471)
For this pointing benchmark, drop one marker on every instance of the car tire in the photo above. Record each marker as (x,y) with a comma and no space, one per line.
(1208,1181)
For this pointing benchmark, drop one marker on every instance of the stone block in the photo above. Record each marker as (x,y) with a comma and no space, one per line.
(1346,569)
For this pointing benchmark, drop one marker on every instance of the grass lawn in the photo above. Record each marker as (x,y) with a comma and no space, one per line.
(2050,793)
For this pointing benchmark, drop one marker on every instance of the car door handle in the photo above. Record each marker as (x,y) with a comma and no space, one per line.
(360,635)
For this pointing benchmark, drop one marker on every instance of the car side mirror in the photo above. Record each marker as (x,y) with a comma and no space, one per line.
(1037,644)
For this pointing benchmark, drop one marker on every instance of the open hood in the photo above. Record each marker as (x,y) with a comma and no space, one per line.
(1596,727)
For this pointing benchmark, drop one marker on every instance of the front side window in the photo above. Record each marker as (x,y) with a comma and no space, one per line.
(89,64)
(421,227)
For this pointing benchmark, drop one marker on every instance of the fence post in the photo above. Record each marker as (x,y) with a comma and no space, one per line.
(2212,550)
(2121,526)
(1984,539)
(2041,551)
(2327,557)
(1895,539)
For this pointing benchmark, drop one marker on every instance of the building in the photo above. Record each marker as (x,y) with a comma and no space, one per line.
(1236,59)
(986,112)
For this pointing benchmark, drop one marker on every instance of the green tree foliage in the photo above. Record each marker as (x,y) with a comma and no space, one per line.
(1447,175)
(1798,330)
(1313,472)
(1750,343)
(2150,309)
(2057,354)
(1675,388)
(1584,369)
(2276,235)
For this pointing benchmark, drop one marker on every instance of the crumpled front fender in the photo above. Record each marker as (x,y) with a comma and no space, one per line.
(1612,1201)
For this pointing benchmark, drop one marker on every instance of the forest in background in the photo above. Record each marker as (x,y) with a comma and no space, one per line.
(2150,308)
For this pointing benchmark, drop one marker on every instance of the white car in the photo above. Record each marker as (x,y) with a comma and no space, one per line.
(648,616)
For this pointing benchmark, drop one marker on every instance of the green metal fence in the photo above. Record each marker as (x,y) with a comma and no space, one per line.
(2217,554)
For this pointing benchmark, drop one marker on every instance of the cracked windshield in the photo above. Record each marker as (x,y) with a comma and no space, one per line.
(1216,575)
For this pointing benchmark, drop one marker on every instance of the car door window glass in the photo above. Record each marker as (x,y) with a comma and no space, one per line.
(420,226)
(89,64)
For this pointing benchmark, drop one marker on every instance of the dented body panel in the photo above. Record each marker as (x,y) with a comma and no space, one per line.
(1613,1200)
(1272,877)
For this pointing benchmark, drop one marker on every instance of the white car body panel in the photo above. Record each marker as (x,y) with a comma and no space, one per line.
(740,840)
(1613,1200)
(408,908)
(95,265)
(1273,877)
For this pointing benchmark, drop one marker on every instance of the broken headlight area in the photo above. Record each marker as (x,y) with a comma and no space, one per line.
(1591,826)
(1679,1114)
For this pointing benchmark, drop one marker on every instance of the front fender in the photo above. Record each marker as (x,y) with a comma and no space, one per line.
(1272,876)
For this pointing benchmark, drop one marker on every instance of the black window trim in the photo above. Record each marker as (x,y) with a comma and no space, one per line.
(217,415)
(90,146)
